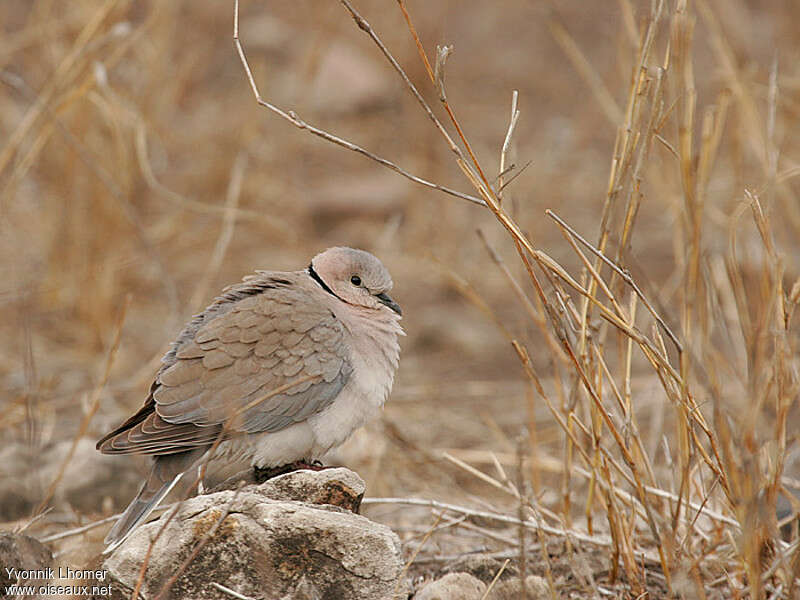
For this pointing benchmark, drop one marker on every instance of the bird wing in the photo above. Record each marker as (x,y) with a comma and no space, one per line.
(147,433)
(271,360)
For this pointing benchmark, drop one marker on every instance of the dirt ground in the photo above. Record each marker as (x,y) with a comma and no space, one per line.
(138,176)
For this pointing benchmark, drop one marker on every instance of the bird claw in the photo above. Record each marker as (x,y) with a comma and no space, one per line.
(262,474)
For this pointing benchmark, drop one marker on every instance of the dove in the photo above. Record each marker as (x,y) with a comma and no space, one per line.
(281,367)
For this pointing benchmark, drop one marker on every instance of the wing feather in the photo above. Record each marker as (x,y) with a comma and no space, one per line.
(236,357)
(257,337)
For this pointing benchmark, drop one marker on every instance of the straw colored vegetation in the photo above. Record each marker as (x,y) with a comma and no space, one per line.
(593,225)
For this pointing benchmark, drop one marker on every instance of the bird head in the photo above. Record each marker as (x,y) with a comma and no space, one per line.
(355,277)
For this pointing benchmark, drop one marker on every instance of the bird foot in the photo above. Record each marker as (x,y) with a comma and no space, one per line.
(313,465)
(263,474)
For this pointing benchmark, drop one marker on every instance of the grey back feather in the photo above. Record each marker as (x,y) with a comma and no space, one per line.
(248,344)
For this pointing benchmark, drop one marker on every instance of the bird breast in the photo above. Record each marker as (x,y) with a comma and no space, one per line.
(374,354)
(374,351)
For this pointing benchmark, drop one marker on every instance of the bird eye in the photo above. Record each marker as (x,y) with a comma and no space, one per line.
(355,280)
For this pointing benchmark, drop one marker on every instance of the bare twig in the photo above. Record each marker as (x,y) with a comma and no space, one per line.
(602,542)
(512,124)
(230,592)
(225,234)
(93,405)
(413,556)
(295,120)
(93,525)
(164,591)
(495,579)
(623,273)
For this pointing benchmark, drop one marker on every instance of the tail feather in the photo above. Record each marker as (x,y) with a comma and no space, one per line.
(138,510)
(166,472)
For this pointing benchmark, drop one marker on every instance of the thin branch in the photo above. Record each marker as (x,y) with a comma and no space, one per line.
(623,273)
(594,540)
(94,404)
(496,577)
(512,124)
(295,120)
(230,592)
(164,591)
(437,79)
(93,525)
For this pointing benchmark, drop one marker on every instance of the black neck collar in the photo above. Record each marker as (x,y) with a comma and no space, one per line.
(318,279)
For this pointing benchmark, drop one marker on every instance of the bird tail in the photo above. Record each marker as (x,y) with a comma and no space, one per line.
(150,495)
(166,472)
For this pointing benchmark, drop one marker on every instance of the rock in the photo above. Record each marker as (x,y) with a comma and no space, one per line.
(27,472)
(465,586)
(347,196)
(89,476)
(270,544)
(453,586)
(349,81)
(23,553)
(482,567)
(17,493)
(340,487)
(511,589)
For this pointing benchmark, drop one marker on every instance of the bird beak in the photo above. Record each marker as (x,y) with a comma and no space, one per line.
(385,299)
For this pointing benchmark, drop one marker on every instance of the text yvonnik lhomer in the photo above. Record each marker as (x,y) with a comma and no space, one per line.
(48,574)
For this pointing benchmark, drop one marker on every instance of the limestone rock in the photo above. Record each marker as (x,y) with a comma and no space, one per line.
(349,81)
(270,545)
(340,487)
(26,473)
(22,553)
(482,567)
(453,586)
(346,196)
(511,589)
(465,586)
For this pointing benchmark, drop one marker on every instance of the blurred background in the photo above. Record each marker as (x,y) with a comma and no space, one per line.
(136,166)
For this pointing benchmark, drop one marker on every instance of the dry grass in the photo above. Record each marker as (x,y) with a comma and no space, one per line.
(602,392)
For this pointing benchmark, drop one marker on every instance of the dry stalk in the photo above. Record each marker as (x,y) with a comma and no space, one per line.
(598,416)
(56,81)
(521,532)
(413,556)
(496,578)
(93,405)
(295,120)
(223,435)
(562,532)
(225,234)
(164,591)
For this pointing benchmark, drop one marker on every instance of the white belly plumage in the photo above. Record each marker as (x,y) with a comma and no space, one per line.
(359,401)
(310,439)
